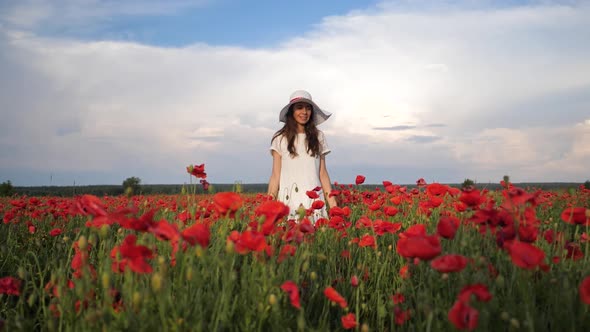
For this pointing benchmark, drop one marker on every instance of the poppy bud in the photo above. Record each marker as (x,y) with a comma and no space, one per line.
(92,239)
(354,281)
(199,251)
(305,266)
(272,299)
(21,272)
(31,299)
(104,231)
(82,242)
(156,282)
(189,273)
(500,281)
(136,300)
(106,280)
(229,247)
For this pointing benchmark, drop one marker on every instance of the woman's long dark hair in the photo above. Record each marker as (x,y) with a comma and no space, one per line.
(289,131)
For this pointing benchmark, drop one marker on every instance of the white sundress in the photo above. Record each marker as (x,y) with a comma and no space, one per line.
(299,174)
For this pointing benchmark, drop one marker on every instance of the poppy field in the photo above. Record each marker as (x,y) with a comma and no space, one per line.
(431,258)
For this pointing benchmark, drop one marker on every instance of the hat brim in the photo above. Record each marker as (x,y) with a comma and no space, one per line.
(319,115)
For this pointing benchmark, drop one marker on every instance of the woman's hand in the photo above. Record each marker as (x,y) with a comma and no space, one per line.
(332,201)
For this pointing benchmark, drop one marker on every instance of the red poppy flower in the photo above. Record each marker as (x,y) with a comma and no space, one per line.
(205,184)
(463,316)
(336,211)
(459,206)
(89,205)
(197,170)
(396,200)
(525,255)
(345,254)
(55,232)
(447,227)
(528,233)
(404,272)
(401,316)
(575,216)
(471,197)
(434,202)
(381,227)
(423,247)
(10,286)
(291,288)
(449,263)
(247,241)
(359,179)
(390,211)
(584,290)
(348,321)
(414,230)
(80,261)
(132,256)
(573,251)
(367,241)
(335,297)
(436,189)
(312,194)
(421,182)
(197,233)
(227,202)
(479,290)
(316,205)
(286,250)
(164,231)
(272,211)
(398,298)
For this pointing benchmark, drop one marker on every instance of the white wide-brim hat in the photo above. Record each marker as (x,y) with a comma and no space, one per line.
(302,96)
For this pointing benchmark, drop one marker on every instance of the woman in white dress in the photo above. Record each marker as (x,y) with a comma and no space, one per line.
(298,153)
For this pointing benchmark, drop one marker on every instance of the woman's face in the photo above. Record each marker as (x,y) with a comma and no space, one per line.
(302,113)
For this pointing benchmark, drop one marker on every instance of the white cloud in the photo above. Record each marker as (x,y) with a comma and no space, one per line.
(497,80)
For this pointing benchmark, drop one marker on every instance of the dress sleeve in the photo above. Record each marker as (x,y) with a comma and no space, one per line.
(324,149)
(276,145)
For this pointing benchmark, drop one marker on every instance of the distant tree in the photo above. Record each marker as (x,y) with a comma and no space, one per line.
(132,186)
(587,184)
(6,188)
(468,183)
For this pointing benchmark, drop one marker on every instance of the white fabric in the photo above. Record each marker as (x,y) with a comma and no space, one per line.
(299,174)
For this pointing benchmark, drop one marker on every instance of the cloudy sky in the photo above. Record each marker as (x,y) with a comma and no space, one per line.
(95,91)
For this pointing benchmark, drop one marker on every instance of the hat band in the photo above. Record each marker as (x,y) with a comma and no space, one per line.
(294,99)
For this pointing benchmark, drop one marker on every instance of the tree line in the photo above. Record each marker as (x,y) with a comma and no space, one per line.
(133,186)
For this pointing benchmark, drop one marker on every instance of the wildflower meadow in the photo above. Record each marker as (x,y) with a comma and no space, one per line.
(430,258)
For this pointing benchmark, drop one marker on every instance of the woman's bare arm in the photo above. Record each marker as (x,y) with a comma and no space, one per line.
(326,183)
(275,176)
